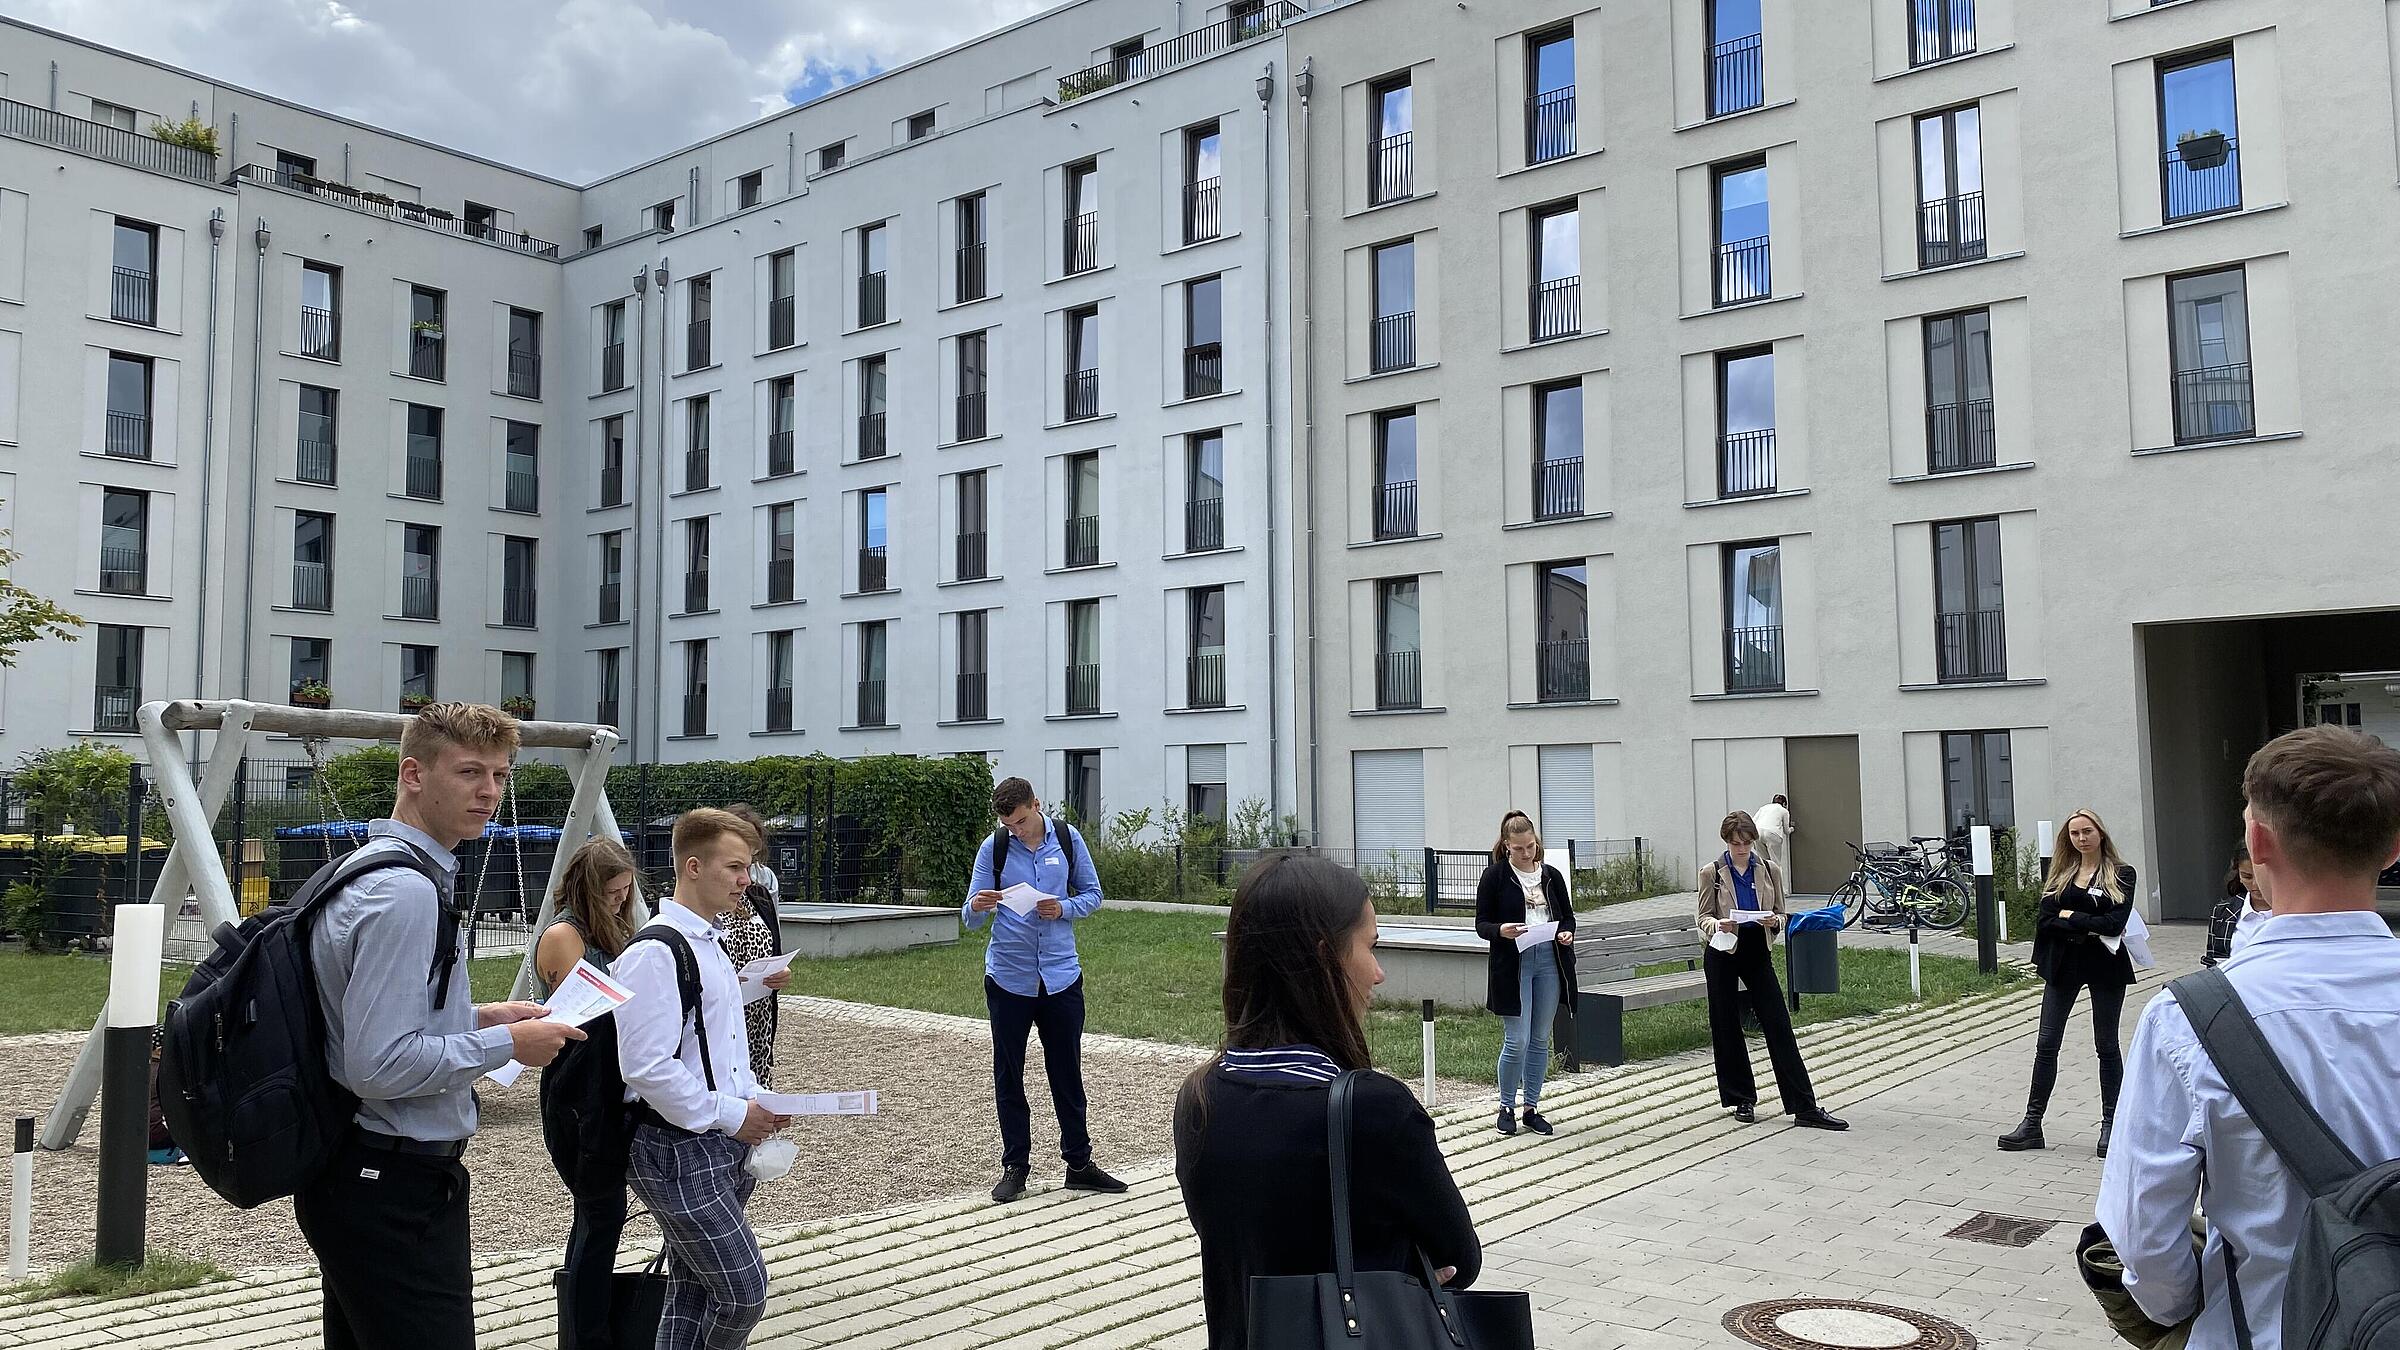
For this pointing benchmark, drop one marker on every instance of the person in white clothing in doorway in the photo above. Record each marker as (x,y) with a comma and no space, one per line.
(1774,821)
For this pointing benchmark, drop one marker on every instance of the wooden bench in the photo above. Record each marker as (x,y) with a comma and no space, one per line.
(1606,957)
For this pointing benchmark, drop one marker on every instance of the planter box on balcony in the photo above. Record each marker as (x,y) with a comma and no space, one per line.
(2203,152)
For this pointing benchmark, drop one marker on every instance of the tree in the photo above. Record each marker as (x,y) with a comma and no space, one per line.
(24,616)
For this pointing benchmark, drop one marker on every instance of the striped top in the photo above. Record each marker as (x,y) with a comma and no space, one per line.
(1283,1063)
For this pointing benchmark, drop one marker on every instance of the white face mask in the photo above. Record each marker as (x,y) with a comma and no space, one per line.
(772,1160)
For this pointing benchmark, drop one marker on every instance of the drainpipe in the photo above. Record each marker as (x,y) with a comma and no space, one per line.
(1304,376)
(658,278)
(260,237)
(54,86)
(1266,121)
(208,455)
(636,562)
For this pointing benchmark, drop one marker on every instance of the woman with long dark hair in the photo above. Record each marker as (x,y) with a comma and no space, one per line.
(1250,1124)
(2079,944)
(1517,891)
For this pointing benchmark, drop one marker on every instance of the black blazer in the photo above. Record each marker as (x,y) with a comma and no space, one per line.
(1498,900)
(2066,937)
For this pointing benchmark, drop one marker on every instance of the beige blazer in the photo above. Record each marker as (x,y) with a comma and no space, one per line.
(1716,892)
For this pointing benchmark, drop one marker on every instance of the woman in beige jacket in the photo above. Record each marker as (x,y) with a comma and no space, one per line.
(1739,962)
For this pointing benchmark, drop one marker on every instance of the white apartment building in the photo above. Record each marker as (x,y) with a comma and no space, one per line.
(1933,410)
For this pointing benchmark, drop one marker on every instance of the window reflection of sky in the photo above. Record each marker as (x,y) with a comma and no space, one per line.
(1742,205)
(1750,393)
(1733,19)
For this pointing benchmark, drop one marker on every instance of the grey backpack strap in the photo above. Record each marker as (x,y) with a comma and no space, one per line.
(2249,1066)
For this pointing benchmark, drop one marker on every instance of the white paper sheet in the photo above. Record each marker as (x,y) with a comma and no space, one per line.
(861,1103)
(1536,934)
(587,994)
(752,978)
(1752,915)
(1021,899)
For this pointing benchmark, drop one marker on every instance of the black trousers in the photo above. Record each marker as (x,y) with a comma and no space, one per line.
(390,1234)
(2058,1004)
(591,1267)
(1058,1015)
(1752,964)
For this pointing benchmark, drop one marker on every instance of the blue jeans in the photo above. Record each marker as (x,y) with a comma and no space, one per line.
(1525,1038)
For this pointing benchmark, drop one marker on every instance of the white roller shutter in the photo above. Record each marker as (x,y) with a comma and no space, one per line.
(1204,764)
(1387,803)
(1567,796)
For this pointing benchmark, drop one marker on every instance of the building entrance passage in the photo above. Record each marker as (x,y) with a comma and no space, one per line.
(1823,773)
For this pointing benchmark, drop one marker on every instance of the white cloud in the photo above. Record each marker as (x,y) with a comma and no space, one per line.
(572,88)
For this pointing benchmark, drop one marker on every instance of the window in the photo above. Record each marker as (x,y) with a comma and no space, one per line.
(1083,657)
(1083,787)
(1558,450)
(1203,169)
(1978,787)
(525,353)
(482,222)
(1550,95)
(920,125)
(612,577)
(1204,337)
(612,347)
(1083,510)
(1958,392)
(695,565)
(1736,57)
(1395,505)
(1393,342)
(974,665)
(424,468)
(873,709)
(873,392)
(695,687)
(133,275)
(780,673)
(874,258)
(1204,678)
(312,561)
(1082,227)
(416,676)
(662,216)
(611,681)
(312,663)
(117,678)
(831,156)
(973,562)
(1204,797)
(1940,29)
(974,358)
(782,553)
(749,190)
(1397,639)
(973,230)
(113,115)
(125,542)
(874,573)
(591,240)
(420,572)
(126,434)
(522,489)
(1391,155)
(1950,187)
(516,681)
(516,582)
(1563,653)
(1742,263)
(1969,628)
(319,417)
(783,418)
(612,461)
(696,460)
(783,289)
(2200,167)
(1126,58)
(1556,304)
(289,166)
(1746,422)
(697,348)
(2208,330)
(321,312)
(1204,492)
(427,333)
(1753,617)
(1083,363)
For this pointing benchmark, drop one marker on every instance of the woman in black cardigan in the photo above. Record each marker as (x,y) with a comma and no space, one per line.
(2079,943)
(1527,988)
(1250,1124)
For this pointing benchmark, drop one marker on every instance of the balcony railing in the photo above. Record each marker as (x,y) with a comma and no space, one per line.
(426,355)
(1392,169)
(1083,541)
(871,709)
(524,373)
(971,424)
(870,435)
(1959,436)
(1083,688)
(696,353)
(317,458)
(1396,510)
(523,491)
(612,602)
(411,213)
(1744,271)
(783,323)
(872,290)
(424,476)
(695,590)
(1556,307)
(1083,394)
(1558,488)
(971,556)
(612,485)
(1550,125)
(2213,403)
(1971,645)
(1204,524)
(312,585)
(126,435)
(1746,463)
(1737,73)
(25,122)
(874,570)
(1940,29)
(695,713)
(113,706)
(1201,217)
(1177,51)
(1082,234)
(1950,230)
(1204,370)
(1392,341)
(133,295)
(1204,678)
(420,597)
(612,367)
(779,707)
(321,334)
(969,281)
(1563,670)
(516,607)
(974,695)
(695,469)
(782,580)
(1397,683)
(2201,176)
(123,570)
(779,453)
(1754,659)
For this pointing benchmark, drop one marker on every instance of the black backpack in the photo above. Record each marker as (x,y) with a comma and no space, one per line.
(587,1125)
(2343,1290)
(243,1081)
(1069,843)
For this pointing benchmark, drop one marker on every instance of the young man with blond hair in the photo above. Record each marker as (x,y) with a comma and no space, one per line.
(388,1218)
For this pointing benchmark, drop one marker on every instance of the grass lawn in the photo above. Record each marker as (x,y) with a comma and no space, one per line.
(64,993)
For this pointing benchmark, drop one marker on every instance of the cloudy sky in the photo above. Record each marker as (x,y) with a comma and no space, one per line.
(571,88)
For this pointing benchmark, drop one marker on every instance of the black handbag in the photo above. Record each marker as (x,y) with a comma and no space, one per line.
(636,1301)
(1351,1309)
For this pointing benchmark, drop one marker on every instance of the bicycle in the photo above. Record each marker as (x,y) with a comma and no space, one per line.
(1886,888)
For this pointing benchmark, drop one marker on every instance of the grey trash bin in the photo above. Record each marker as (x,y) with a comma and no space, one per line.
(1813,961)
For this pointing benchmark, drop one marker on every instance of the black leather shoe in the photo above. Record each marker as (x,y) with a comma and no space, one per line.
(1746,1113)
(1012,1184)
(1818,1118)
(1507,1123)
(1090,1178)
(2107,1125)
(1535,1123)
(2027,1135)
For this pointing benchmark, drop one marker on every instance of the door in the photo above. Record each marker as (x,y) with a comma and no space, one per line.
(1823,773)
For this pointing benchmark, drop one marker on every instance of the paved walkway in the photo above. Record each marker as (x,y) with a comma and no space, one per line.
(1647,1218)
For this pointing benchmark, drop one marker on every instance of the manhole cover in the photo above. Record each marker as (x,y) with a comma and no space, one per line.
(1841,1324)
(2002,1230)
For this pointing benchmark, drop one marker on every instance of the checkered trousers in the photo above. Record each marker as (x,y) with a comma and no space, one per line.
(695,1185)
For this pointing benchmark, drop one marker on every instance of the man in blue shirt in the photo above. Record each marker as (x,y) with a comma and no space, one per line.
(1032,980)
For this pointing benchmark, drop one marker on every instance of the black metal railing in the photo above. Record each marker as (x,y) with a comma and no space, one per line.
(316,459)
(971,424)
(1960,436)
(870,435)
(783,323)
(612,602)
(974,695)
(1204,524)
(972,557)
(124,570)
(1083,541)
(1204,678)
(1556,307)
(1204,370)
(1746,462)
(782,580)
(1737,75)
(424,476)
(25,122)
(427,353)
(695,590)
(1754,659)
(113,706)
(1392,169)
(1745,271)
(1201,216)
(321,334)
(695,713)
(411,213)
(779,707)
(871,709)
(874,571)
(695,469)
(2201,176)
(1082,235)
(524,373)
(133,295)
(612,367)
(1392,341)
(1558,488)
(1563,670)
(312,585)
(1083,687)
(779,453)
(1971,645)
(970,281)
(612,485)
(126,435)
(516,607)
(420,597)
(1396,510)
(696,344)
(2213,403)
(1177,51)
(1083,394)
(1397,680)
(873,287)
(1950,230)
(1940,29)
(522,491)
(1550,125)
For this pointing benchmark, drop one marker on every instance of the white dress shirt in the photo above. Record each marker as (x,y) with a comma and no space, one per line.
(2325,991)
(658,1049)
(2246,925)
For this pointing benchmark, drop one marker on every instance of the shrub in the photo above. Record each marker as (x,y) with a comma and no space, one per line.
(22,912)
(1628,877)
(82,784)
(2016,882)
(191,133)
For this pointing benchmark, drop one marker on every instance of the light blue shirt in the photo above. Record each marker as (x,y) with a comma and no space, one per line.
(1030,954)
(2325,991)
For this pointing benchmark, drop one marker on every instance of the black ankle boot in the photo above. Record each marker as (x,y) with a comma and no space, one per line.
(2107,1123)
(2027,1135)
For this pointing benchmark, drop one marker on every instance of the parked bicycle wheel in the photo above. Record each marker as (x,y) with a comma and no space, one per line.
(1945,904)
(1852,897)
